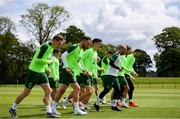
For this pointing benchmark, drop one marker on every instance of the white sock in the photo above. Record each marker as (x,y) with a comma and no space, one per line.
(14,106)
(66,99)
(130,100)
(123,101)
(54,104)
(98,101)
(113,103)
(76,106)
(48,109)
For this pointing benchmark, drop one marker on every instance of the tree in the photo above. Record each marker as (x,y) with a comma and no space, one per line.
(14,58)
(6,25)
(167,62)
(73,34)
(169,38)
(141,64)
(168,44)
(43,20)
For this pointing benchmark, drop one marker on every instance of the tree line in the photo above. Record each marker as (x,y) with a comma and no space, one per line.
(43,21)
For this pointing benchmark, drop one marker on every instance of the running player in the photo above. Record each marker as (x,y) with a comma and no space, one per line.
(54,73)
(36,75)
(131,57)
(105,65)
(110,80)
(89,62)
(72,68)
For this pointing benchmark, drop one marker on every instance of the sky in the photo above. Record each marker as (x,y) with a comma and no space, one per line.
(131,22)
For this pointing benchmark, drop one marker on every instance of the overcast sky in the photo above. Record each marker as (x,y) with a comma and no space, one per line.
(132,22)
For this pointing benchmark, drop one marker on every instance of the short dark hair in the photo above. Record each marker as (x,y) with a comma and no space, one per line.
(128,47)
(58,37)
(86,38)
(110,52)
(56,50)
(138,50)
(96,40)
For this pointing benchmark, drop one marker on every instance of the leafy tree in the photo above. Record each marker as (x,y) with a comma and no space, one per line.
(14,58)
(73,34)
(142,64)
(43,20)
(167,62)
(168,38)
(6,25)
(168,44)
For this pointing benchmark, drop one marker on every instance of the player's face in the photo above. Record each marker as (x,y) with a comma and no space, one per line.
(57,43)
(86,44)
(109,55)
(98,45)
(57,55)
(138,54)
(122,50)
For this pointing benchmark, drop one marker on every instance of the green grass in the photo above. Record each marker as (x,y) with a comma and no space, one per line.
(154,102)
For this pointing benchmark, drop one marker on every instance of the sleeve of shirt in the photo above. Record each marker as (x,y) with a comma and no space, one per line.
(112,62)
(63,57)
(53,69)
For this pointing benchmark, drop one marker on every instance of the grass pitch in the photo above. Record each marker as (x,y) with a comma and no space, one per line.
(155,101)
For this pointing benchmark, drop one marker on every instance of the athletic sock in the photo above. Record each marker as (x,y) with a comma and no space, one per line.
(123,101)
(130,100)
(98,101)
(48,109)
(14,106)
(54,104)
(113,103)
(76,106)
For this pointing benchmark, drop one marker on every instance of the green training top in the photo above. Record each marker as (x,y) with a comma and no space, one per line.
(41,58)
(89,61)
(105,64)
(54,67)
(130,62)
(73,58)
(122,64)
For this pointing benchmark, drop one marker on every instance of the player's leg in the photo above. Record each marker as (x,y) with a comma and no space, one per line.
(76,91)
(66,100)
(130,93)
(58,95)
(19,99)
(44,83)
(107,83)
(115,94)
(31,80)
(85,83)
(125,90)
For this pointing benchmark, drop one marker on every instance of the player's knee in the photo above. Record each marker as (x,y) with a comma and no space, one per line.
(126,88)
(77,88)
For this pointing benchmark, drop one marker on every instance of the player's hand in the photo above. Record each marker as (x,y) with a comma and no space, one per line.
(135,74)
(85,72)
(120,68)
(102,70)
(68,70)
(50,61)
(48,72)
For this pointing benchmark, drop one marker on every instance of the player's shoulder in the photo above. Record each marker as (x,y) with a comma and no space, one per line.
(72,47)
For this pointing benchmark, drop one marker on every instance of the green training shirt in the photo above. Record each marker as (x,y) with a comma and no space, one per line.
(89,61)
(105,64)
(130,62)
(41,58)
(74,54)
(54,68)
